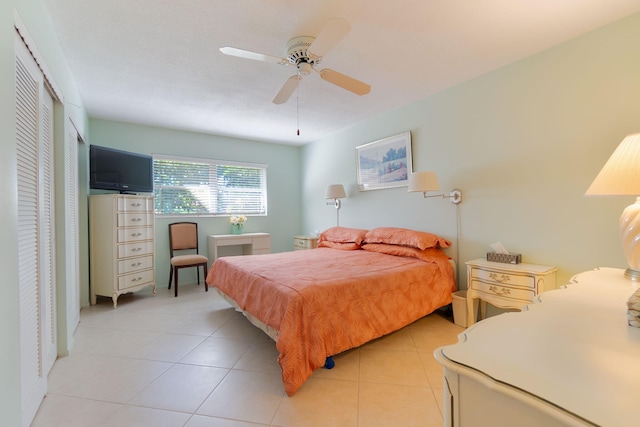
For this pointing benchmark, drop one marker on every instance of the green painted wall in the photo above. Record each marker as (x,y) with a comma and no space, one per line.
(523,143)
(283,182)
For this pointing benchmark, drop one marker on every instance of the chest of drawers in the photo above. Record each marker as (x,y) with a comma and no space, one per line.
(505,285)
(122,246)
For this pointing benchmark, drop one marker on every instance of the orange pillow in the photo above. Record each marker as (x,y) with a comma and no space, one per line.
(347,246)
(423,254)
(342,235)
(405,237)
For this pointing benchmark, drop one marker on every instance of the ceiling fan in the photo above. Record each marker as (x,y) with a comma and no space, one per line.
(306,52)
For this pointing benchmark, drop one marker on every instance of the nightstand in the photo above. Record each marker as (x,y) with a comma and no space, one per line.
(505,285)
(304,242)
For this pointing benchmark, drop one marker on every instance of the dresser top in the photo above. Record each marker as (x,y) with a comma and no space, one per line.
(573,349)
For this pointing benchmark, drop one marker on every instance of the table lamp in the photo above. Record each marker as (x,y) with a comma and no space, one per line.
(620,176)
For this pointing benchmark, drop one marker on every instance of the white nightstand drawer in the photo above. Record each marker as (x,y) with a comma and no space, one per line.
(304,242)
(502,277)
(506,291)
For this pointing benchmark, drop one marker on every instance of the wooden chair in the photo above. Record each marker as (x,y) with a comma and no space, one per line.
(183,237)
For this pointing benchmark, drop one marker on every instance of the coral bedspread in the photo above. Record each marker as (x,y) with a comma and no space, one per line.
(325,301)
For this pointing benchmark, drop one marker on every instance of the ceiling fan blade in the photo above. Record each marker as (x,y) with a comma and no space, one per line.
(287,89)
(329,36)
(345,82)
(241,53)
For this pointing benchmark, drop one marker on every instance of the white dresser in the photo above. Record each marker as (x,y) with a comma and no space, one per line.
(568,360)
(121,244)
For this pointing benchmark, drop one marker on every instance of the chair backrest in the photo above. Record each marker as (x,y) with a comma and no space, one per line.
(183,236)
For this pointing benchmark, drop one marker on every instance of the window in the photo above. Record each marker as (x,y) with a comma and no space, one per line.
(188,186)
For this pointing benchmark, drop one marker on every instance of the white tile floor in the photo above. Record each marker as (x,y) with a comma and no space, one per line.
(193,361)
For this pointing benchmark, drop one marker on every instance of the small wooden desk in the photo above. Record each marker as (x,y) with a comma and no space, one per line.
(251,243)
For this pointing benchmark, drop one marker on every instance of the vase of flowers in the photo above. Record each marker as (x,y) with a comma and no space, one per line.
(237,223)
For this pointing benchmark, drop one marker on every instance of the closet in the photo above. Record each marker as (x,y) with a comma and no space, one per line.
(36,225)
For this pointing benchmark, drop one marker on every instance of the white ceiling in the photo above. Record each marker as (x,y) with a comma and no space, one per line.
(157,62)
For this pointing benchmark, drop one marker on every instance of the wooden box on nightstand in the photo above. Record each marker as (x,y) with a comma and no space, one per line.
(304,242)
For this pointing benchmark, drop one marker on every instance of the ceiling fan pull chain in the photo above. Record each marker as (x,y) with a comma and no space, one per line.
(298,107)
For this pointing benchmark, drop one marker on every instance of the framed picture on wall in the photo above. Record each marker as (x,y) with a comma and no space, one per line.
(385,163)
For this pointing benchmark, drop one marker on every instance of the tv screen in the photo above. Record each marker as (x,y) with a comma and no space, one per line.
(118,170)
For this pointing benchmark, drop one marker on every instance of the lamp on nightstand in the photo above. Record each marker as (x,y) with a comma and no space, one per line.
(620,176)
(335,192)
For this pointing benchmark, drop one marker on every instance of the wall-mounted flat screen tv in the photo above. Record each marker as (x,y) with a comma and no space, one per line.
(118,170)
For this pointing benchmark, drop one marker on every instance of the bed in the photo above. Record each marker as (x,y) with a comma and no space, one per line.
(357,285)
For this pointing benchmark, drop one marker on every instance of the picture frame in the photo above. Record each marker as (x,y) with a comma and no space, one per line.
(385,163)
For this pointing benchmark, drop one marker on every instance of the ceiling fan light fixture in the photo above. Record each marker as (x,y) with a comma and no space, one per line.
(304,68)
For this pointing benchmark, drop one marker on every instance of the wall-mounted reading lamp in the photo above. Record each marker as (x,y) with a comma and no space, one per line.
(335,192)
(428,181)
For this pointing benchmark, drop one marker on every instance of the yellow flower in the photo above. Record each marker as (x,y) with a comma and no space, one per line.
(240,219)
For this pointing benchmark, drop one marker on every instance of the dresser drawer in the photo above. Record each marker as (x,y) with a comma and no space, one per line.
(134,219)
(135,204)
(506,291)
(503,278)
(134,234)
(135,279)
(135,264)
(135,249)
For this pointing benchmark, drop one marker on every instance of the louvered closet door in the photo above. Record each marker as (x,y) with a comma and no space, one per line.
(73,302)
(34,141)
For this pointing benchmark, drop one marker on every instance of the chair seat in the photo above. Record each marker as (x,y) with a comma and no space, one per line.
(182,260)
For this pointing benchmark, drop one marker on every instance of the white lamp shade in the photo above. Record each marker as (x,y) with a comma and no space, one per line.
(423,182)
(620,176)
(335,191)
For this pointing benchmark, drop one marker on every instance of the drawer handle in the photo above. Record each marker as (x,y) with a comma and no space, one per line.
(501,278)
(501,291)
(136,234)
(136,249)
(135,205)
(136,279)
(136,219)
(136,264)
